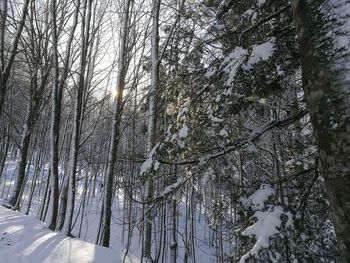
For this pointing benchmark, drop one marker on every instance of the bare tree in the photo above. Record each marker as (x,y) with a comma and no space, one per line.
(115,135)
(6,66)
(78,106)
(152,120)
(37,57)
(56,97)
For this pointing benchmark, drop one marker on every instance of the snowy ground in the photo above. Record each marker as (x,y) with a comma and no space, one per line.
(204,246)
(23,239)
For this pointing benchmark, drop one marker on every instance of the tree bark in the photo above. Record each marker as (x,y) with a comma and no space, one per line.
(152,120)
(56,97)
(57,93)
(117,113)
(326,87)
(33,107)
(6,69)
(74,148)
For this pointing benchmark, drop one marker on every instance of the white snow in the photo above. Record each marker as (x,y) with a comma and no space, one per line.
(237,58)
(25,239)
(248,13)
(228,92)
(251,14)
(30,230)
(149,162)
(156,165)
(180,136)
(268,221)
(267,225)
(183,132)
(279,70)
(337,13)
(261,2)
(171,187)
(257,200)
(214,118)
(210,72)
(306,131)
(146,166)
(260,53)
(233,62)
(182,112)
(223,132)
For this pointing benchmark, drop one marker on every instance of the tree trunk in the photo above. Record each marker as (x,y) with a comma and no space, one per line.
(74,149)
(21,166)
(152,119)
(63,206)
(325,74)
(57,93)
(173,244)
(6,69)
(56,96)
(118,109)
(33,107)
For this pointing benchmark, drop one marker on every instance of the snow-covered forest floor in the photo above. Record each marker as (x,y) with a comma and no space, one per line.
(30,237)
(25,239)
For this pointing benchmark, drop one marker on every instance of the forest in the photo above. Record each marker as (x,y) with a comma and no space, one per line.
(171,131)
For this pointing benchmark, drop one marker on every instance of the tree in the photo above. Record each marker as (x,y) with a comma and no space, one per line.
(78,109)
(324,39)
(115,134)
(6,66)
(38,79)
(56,97)
(207,138)
(57,103)
(151,129)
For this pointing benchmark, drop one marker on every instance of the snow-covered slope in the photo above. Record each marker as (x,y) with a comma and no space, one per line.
(23,239)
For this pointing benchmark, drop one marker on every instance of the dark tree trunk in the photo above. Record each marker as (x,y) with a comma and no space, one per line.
(117,114)
(56,96)
(6,69)
(32,114)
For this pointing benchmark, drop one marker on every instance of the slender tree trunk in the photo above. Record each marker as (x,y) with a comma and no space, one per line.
(63,206)
(36,91)
(34,180)
(21,166)
(152,119)
(46,196)
(3,12)
(56,96)
(118,109)
(173,244)
(3,16)
(4,151)
(6,69)
(74,149)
